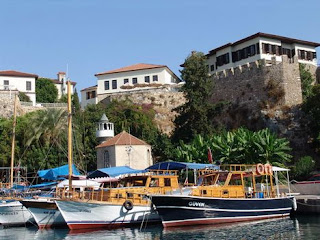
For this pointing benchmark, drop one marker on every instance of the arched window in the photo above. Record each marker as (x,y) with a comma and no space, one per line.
(106,159)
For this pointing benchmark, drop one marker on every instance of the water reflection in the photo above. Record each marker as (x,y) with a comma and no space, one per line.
(306,227)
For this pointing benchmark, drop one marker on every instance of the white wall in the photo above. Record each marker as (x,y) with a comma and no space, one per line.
(85,101)
(20,84)
(164,77)
(59,86)
(212,59)
(139,157)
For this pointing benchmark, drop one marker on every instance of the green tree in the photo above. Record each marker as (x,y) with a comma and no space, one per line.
(195,116)
(302,168)
(240,146)
(312,108)
(76,101)
(46,91)
(306,81)
(24,97)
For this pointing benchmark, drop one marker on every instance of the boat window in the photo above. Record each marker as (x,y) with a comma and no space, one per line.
(139,182)
(167,182)
(235,179)
(154,182)
(222,179)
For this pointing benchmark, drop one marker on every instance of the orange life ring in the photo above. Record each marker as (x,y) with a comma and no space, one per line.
(268,169)
(260,169)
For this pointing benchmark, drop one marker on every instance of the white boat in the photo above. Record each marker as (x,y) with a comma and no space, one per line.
(45,210)
(121,206)
(45,213)
(13,213)
(82,215)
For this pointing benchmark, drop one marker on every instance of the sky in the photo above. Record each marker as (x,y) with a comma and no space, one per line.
(85,37)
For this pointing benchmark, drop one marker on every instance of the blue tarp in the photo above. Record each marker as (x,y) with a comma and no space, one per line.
(181,165)
(54,173)
(113,172)
(44,185)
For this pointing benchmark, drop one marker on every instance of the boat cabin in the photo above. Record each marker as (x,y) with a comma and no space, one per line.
(236,181)
(133,187)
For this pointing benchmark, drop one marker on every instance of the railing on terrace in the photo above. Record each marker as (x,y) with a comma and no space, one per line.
(46,105)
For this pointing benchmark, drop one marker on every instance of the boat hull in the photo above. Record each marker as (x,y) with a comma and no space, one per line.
(83,215)
(13,213)
(189,210)
(45,213)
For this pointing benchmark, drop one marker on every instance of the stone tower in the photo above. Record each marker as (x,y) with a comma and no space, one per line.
(105,129)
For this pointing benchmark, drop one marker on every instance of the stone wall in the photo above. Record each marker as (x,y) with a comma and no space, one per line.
(163,100)
(261,82)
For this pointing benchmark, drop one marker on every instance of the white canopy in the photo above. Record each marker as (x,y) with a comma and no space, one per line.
(79,183)
(279,169)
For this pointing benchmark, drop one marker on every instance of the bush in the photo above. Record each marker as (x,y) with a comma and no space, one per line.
(303,167)
(24,97)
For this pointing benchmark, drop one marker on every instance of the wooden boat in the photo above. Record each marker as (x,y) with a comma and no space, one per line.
(45,210)
(231,194)
(122,206)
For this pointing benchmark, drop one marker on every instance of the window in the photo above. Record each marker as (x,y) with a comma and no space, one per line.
(106,159)
(147,79)
(211,67)
(91,94)
(154,182)
(114,84)
(167,182)
(155,78)
(6,84)
(134,80)
(223,59)
(126,80)
(106,85)
(28,86)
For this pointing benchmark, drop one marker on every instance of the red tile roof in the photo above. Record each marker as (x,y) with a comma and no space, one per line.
(266,35)
(90,88)
(122,138)
(55,81)
(13,73)
(135,67)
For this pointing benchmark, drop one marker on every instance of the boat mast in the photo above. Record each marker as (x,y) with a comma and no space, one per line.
(69,136)
(13,138)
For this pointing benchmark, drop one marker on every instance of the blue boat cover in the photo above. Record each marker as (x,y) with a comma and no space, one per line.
(181,165)
(54,173)
(113,172)
(44,185)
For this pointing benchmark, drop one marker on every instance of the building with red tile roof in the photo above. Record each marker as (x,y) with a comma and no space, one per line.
(124,150)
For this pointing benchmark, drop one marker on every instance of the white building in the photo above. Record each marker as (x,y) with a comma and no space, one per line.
(124,150)
(260,46)
(61,84)
(23,82)
(131,78)
(89,96)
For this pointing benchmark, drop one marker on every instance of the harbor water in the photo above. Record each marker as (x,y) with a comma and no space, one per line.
(302,227)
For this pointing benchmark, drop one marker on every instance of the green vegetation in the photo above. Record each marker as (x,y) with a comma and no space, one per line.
(239,146)
(23,97)
(303,167)
(306,81)
(46,91)
(195,116)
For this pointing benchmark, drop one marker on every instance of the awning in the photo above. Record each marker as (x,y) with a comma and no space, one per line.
(181,165)
(79,183)
(113,172)
(279,169)
(55,173)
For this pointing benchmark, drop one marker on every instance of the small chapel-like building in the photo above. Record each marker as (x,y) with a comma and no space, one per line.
(122,149)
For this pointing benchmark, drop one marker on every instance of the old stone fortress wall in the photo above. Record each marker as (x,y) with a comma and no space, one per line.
(251,84)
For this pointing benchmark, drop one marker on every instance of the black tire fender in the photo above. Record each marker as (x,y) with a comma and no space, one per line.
(128,205)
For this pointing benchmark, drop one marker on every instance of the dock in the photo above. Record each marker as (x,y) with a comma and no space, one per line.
(308,204)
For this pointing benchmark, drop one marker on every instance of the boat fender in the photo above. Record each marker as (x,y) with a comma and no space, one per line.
(128,205)
(260,169)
